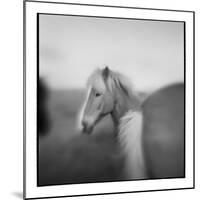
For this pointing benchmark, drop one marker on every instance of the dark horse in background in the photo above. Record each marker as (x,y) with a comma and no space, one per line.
(150,132)
(42,115)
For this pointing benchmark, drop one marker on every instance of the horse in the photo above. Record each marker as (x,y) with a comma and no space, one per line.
(150,132)
(42,114)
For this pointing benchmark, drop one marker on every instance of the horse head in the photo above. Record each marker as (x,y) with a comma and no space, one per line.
(108,93)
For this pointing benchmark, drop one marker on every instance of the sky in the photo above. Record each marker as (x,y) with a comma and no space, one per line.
(149,53)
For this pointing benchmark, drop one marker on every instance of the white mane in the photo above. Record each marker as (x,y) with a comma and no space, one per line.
(130,132)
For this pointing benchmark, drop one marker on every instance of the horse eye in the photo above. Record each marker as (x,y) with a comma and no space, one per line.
(97,94)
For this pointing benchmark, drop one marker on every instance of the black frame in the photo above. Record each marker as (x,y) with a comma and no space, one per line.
(24,90)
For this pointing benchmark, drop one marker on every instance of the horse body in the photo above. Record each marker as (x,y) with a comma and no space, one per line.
(163,132)
(150,133)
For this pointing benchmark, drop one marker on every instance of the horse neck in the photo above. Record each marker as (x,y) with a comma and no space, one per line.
(123,105)
(128,120)
(130,138)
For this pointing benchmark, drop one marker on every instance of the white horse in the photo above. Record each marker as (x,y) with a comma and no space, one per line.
(151,133)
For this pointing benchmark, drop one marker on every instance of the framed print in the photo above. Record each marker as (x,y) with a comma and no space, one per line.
(108,98)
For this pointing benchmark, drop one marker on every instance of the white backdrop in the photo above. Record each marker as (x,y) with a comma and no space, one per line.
(11,101)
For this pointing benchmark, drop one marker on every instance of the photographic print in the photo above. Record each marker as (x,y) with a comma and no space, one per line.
(106,100)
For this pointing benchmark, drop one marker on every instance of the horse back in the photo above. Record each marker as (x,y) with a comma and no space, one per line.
(163,132)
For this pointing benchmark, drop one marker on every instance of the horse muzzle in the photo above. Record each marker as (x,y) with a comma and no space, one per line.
(86,127)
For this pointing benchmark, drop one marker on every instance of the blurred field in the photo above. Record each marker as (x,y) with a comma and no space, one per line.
(68,156)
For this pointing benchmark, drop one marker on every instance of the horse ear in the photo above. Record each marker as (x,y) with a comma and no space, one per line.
(105,73)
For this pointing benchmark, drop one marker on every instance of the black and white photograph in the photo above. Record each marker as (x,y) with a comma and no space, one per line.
(110,100)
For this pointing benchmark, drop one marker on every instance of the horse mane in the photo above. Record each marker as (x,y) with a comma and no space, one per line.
(117,80)
(130,137)
(113,80)
(95,74)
